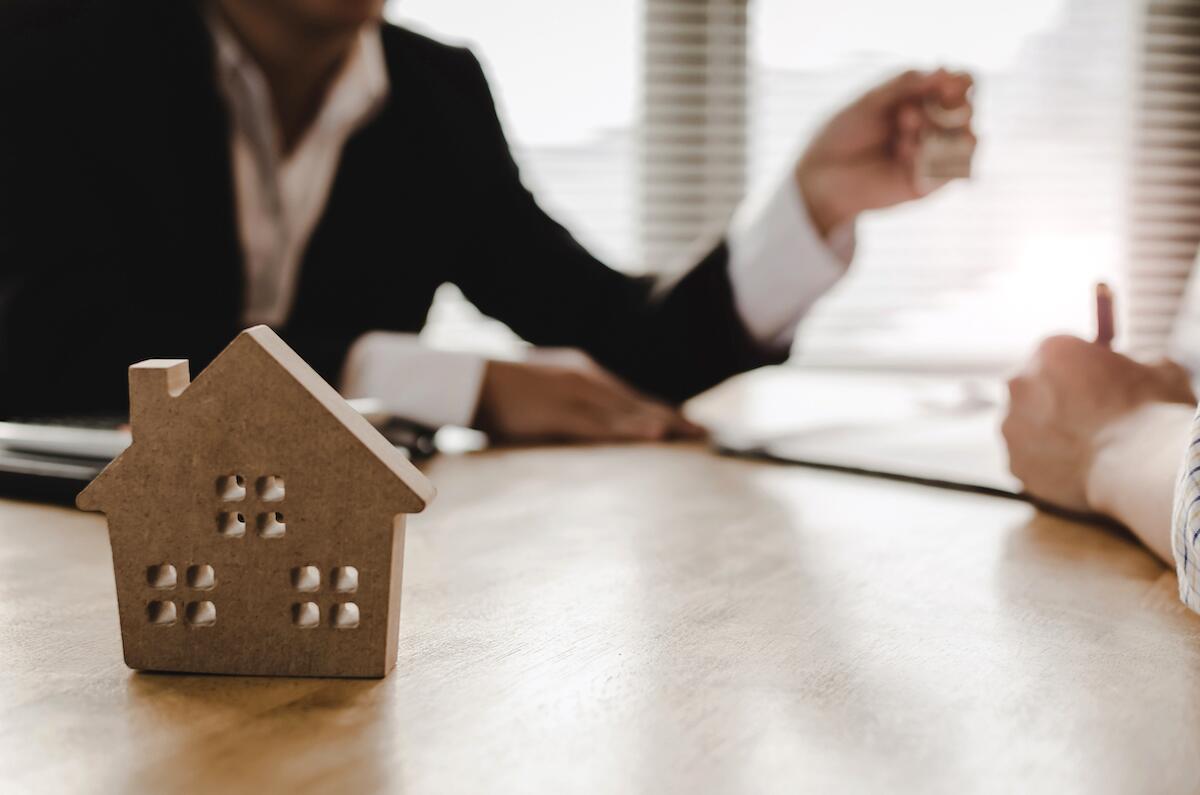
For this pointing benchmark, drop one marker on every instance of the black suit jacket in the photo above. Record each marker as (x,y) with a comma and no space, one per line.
(118,235)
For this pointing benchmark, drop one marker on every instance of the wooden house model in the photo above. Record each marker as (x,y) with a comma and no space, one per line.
(256,521)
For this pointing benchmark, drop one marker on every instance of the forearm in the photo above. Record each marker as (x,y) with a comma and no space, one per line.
(683,339)
(1134,470)
(735,310)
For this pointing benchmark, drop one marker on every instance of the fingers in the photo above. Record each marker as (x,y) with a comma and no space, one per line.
(1031,392)
(644,419)
(525,402)
(909,118)
(1013,431)
(1029,396)
(572,425)
(909,122)
(951,89)
(593,423)
(904,86)
(938,99)
(621,413)
(1059,350)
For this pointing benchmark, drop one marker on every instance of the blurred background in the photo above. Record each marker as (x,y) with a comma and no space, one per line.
(641,124)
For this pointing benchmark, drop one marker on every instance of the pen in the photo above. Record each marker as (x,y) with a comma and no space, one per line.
(1105,327)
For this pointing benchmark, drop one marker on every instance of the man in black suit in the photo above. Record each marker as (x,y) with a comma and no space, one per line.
(173,171)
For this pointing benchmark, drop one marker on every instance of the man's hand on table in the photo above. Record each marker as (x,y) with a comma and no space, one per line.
(570,398)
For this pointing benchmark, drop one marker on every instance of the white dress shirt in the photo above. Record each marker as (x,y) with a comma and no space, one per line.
(778,266)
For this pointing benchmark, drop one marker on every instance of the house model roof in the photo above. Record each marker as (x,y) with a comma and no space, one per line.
(244,362)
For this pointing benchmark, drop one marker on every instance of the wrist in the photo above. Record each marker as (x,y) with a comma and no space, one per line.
(825,203)
(1135,439)
(1102,479)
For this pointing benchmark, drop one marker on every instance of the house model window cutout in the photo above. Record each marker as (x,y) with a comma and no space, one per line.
(232,488)
(252,503)
(345,615)
(231,524)
(161,576)
(306,615)
(306,578)
(271,488)
(201,614)
(271,525)
(345,579)
(161,614)
(201,578)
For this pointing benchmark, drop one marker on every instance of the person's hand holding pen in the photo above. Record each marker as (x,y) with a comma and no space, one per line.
(1067,406)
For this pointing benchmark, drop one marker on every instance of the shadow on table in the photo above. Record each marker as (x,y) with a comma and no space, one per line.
(234,733)
(1081,557)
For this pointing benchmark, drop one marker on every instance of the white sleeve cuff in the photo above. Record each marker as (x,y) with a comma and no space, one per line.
(413,381)
(779,265)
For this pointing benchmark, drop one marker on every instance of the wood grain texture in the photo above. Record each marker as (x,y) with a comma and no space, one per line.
(647,619)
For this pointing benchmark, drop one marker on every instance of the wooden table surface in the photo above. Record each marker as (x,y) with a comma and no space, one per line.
(647,619)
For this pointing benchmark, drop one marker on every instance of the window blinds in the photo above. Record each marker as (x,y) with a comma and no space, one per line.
(694,99)
(1164,229)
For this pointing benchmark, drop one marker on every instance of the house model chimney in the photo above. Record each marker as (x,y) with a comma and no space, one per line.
(152,384)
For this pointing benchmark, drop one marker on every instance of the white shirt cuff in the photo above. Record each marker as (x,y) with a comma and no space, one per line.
(411,380)
(779,265)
